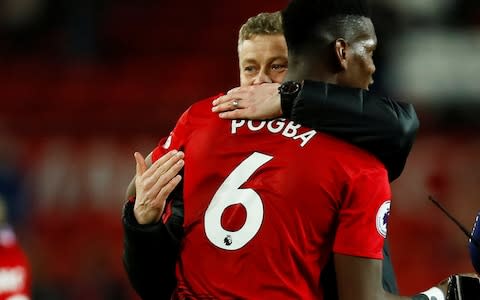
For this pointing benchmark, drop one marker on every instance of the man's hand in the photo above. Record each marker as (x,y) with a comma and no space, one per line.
(256,102)
(154,185)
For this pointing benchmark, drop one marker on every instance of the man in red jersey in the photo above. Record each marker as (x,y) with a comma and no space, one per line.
(253,235)
(387,125)
(15,277)
(334,41)
(250,231)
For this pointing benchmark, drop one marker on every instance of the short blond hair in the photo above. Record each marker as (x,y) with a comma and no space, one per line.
(261,24)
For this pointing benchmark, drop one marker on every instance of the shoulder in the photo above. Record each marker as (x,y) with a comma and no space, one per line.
(354,160)
(203,105)
(197,112)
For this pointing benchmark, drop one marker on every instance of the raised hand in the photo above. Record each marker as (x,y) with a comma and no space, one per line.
(154,185)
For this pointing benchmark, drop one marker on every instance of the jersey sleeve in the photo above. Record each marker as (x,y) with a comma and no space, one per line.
(176,139)
(173,215)
(363,216)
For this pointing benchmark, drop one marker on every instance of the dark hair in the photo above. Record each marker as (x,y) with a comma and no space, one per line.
(307,22)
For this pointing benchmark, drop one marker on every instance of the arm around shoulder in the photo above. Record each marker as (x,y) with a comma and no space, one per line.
(384,127)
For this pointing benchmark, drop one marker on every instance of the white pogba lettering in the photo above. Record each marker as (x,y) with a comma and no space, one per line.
(287,129)
(11,279)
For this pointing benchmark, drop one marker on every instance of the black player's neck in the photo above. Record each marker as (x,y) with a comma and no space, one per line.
(307,69)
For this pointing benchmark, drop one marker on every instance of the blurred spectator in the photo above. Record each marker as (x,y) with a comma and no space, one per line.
(15,275)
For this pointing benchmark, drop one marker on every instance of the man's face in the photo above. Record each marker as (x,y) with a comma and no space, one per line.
(360,65)
(262,59)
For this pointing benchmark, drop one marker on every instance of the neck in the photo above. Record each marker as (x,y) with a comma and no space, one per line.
(304,68)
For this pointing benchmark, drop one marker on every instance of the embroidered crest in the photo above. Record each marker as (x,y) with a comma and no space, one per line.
(382,218)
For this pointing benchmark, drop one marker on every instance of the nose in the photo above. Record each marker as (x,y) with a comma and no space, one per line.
(262,77)
(372,71)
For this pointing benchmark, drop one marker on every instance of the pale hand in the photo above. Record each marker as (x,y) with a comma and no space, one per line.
(255,102)
(154,185)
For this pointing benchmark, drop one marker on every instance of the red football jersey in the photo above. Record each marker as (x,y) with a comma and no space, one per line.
(266,203)
(15,274)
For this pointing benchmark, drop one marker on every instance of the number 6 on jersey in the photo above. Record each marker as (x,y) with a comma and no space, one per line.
(229,194)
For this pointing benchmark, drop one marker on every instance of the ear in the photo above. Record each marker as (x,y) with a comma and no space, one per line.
(341,47)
